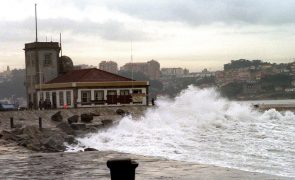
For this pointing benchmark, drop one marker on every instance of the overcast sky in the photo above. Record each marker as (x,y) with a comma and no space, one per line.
(193,34)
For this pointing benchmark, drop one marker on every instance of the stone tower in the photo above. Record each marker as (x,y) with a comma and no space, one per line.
(42,65)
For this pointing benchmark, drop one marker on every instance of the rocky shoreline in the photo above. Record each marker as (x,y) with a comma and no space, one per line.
(30,152)
(57,127)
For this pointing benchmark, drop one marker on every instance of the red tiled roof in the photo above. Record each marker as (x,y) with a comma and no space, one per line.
(88,75)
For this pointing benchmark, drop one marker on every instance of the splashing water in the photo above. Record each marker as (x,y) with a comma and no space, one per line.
(200,126)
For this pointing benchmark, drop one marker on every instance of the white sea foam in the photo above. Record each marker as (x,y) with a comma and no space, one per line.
(200,126)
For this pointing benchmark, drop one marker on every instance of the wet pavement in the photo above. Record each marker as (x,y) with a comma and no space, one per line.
(92,165)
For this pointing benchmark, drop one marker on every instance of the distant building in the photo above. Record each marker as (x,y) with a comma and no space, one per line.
(83,66)
(150,68)
(292,68)
(6,75)
(203,74)
(93,88)
(109,66)
(251,87)
(172,72)
(153,68)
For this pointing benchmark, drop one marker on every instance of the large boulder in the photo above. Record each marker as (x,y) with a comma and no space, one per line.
(65,127)
(86,118)
(73,119)
(107,122)
(52,140)
(90,149)
(53,143)
(29,137)
(95,113)
(10,135)
(71,139)
(47,140)
(122,112)
(78,126)
(57,117)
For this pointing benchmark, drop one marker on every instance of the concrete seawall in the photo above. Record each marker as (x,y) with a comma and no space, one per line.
(278,107)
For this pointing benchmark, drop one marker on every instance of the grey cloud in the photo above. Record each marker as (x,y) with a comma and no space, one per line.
(111,30)
(199,12)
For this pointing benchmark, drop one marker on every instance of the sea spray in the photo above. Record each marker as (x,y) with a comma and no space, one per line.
(201,126)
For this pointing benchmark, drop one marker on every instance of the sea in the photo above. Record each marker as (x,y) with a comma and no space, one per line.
(200,126)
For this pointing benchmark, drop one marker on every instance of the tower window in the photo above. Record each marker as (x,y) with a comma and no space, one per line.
(47,59)
(28,59)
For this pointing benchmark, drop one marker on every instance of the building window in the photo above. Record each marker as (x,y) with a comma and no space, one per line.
(41,95)
(69,98)
(112,93)
(47,59)
(112,97)
(124,92)
(125,97)
(98,95)
(47,95)
(61,98)
(86,97)
(137,91)
(137,97)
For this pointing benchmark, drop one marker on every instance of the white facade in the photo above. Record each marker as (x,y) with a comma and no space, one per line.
(61,98)
(172,71)
(66,97)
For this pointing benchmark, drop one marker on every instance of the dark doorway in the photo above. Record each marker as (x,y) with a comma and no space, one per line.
(54,100)
(112,97)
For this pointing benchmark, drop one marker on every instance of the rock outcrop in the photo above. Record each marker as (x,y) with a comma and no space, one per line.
(73,119)
(47,140)
(90,149)
(107,122)
(78,126)
(86,117)
(57,117)
(65,127)
(122,112)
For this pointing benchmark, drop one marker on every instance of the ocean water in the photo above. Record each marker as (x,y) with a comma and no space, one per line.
(201,126)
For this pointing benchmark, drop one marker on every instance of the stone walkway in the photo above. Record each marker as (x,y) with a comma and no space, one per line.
(92,165)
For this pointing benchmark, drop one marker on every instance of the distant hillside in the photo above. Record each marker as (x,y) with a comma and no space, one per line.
(243,63)
(13,86)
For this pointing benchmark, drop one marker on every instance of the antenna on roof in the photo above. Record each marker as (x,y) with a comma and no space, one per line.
(36,23)
(131,56)
(60,44)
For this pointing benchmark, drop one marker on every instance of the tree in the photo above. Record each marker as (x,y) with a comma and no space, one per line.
(14,86)
(231,90)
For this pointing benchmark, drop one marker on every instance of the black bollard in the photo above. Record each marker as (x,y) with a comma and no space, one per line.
(122,169)
(40,123)
(11,123)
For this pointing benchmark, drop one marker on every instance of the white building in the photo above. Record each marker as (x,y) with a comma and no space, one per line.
(109,66)
(172,72)
(93,88)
